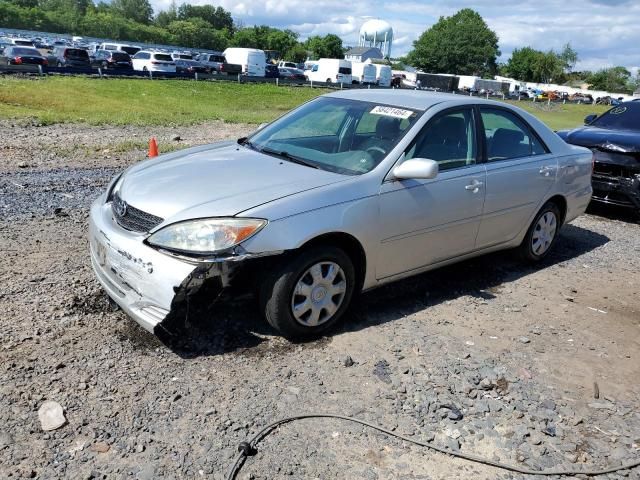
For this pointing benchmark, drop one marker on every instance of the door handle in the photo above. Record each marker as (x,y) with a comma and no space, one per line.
(546,171)
(474,186)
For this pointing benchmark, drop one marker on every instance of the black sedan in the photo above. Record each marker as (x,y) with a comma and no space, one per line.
(191,67)
(23,56)
(614,138)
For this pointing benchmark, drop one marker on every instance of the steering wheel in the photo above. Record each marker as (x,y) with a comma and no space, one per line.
(376,149)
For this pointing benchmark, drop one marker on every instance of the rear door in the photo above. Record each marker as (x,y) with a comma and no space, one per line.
(423,222)
(520,172)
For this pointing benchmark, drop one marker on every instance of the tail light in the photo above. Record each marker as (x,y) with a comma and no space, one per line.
(338,76)
(155,63)
(45,61)
(593,162)
(18,60)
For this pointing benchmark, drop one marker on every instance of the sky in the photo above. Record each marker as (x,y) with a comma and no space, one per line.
(603,32)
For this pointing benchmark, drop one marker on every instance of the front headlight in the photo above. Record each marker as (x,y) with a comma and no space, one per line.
(115,182)
(207,235)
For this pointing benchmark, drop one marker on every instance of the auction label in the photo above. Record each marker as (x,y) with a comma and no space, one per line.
(391,112)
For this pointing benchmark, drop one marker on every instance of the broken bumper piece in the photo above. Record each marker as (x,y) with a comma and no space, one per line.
(156,289)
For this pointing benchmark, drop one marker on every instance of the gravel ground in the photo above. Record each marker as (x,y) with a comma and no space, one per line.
(487,357)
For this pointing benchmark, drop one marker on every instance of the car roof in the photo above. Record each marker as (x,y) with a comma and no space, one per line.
(417,100)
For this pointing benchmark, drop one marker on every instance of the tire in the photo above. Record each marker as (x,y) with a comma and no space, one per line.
(278,295)
(59,65)
(542,233)
(328,80)
(144,69)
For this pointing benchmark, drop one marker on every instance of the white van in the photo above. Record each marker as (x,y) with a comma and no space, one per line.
(331,70)
(122,47)
(20,42)
(364,73)
(383,75)
(252,60)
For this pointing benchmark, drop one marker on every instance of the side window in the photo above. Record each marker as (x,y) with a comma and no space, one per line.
(508,137)
(314,68)
(449,139)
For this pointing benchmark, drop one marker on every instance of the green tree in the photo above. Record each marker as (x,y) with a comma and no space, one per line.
(137,10)
(217,17)
(531,65)
(615,80)
(462,44)
(569,58)
(197,33)
(296,54)
(548,67)
(329,46)
(165,17)
(522,64)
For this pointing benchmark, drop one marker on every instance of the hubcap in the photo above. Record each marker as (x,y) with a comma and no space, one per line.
(318,294)
(544,233)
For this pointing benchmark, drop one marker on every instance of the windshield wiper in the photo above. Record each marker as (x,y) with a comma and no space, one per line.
(287,156)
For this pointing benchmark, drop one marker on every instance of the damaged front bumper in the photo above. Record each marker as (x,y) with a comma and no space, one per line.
(155,288)
(616,179)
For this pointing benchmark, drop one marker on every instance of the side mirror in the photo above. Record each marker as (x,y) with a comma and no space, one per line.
(418,168)
(590,118)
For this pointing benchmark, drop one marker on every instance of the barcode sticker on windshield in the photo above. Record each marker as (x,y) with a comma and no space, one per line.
(391,112)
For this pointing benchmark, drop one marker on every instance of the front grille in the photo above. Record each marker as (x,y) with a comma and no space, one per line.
(133,219)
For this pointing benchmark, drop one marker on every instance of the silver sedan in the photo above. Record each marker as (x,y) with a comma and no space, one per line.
(347,192)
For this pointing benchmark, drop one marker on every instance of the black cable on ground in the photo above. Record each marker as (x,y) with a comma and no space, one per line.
(247,449)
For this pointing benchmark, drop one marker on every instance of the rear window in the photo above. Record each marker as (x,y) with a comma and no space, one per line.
(130,50)
(120,57)
(25,51)
(162,57)
(344,70)
(216,58)
(622,117)
(23,42)
(76,53)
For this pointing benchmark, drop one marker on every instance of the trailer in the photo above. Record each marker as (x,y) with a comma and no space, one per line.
(440,82)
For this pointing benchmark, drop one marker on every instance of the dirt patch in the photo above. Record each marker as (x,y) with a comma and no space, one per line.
(489,357)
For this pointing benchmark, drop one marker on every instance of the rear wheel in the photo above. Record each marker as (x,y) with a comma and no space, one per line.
(328,80)
(542,233)
(310,293)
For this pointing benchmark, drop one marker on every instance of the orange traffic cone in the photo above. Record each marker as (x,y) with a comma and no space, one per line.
(153,147)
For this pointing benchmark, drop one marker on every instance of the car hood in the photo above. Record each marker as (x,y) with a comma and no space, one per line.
(622,141)
(214,181)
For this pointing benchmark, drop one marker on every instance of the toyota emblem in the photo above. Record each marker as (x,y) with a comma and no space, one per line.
(120,206)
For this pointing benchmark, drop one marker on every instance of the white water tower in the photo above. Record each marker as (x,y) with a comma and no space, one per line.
(377,33)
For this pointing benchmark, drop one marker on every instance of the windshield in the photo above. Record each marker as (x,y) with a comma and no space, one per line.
(76,53)
(622,117)
(344,136)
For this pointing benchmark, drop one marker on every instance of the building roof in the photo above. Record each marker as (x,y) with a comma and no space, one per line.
(362,50)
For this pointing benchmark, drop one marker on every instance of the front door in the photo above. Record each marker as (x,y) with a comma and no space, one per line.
(423,222)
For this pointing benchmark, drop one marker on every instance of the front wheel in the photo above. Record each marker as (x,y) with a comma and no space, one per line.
(542,233)
(310,293)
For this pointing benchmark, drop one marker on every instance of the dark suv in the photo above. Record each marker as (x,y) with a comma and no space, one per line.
(110,59)
(70,57)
